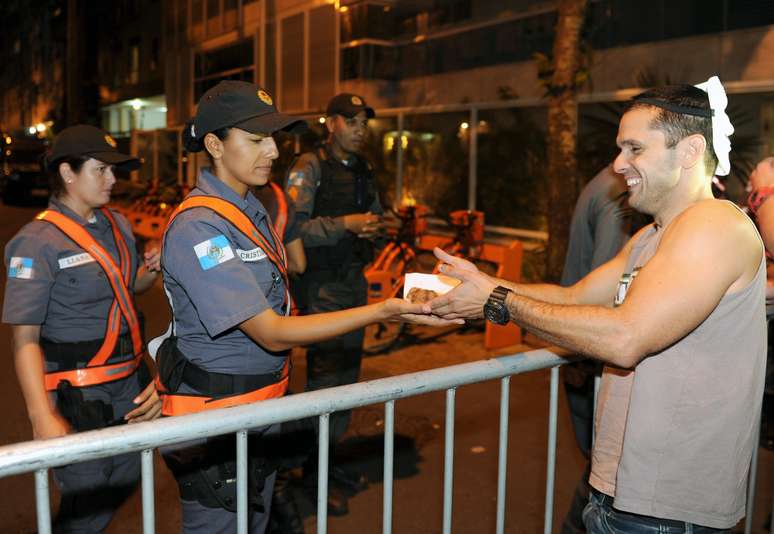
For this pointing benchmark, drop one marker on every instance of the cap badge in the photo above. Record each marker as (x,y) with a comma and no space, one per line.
(265,98)
(109,140)
(356,100)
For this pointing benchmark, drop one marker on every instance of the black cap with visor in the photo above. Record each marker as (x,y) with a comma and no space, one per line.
(243,105)
(83,140)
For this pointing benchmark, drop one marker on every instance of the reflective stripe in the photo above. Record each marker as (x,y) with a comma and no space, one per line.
(122,304)
(90,376)
(182,404)
(282,210)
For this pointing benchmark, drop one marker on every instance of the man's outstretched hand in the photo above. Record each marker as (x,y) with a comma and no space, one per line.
(466,301)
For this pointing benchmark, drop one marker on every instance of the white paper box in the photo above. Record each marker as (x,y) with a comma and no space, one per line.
(433,282)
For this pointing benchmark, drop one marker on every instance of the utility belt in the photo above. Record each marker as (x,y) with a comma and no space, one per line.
(73,359)
(216,390)
(210,476)
(93,414)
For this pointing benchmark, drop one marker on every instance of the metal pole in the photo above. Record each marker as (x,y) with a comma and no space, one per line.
(389,454)
(597,382)
(399,164)
(550,472)
(472,158)
(752,479)
(322,476)
(42,504)
(448,462)
(148,503)
(241,444)
(502,455)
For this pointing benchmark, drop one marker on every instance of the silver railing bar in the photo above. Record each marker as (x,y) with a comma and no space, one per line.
(389,456)
(553,416)
(241,465)
(84,446)
(448,462)
(322,474)
(502,454)
(42,504)
(148,495)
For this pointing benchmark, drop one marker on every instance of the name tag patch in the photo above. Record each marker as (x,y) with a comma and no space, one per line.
(20,267)
(213,252)
(256,254)
(75,260)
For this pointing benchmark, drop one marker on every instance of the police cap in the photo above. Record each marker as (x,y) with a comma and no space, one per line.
(348,105)
(243,105)
(85,140)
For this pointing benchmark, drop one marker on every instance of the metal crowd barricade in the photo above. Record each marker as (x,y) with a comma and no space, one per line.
(39,456)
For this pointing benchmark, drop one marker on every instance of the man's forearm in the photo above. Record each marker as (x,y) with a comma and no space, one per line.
(550,293)
(595,331)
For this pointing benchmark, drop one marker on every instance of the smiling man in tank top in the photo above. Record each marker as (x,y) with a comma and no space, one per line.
(678,317)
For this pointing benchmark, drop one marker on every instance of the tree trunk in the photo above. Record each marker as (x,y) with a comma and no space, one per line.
(563,179)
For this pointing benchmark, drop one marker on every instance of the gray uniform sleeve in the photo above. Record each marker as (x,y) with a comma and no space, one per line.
(611,230)
(303,180)
(31,267)
(199,254)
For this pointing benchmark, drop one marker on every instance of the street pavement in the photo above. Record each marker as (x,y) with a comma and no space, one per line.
(419,445)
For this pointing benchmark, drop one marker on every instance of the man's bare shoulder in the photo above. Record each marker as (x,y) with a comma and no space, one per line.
(716,232)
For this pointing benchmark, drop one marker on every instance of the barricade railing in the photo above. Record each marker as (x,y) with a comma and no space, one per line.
(39,456)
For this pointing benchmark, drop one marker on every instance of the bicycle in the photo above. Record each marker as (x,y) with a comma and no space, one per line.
(403,254)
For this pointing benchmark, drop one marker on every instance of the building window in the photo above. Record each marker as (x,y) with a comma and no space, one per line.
(134,61)
(234,62)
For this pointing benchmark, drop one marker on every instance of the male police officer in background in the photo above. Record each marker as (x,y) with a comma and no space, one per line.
(339,213)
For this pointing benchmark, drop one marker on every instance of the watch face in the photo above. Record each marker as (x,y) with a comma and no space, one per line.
(496,312)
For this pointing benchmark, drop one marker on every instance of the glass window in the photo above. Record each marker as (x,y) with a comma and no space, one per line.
(380,150)
(322,55)
(435,160)
(292,64)
(511,179)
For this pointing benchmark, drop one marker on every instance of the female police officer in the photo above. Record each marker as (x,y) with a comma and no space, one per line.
(225,270)
(77,342)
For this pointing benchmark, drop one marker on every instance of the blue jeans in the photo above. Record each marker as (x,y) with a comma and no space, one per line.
(601,518)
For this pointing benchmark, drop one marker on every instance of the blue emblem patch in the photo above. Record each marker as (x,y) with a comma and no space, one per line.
(213,252)
(20,268)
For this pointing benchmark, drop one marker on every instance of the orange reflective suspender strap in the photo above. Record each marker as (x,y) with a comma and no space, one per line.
(182,404)
(242,222)
(91,376)
(95,372)
(282,210)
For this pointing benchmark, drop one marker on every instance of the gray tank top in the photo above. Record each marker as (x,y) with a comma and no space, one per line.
(693,410)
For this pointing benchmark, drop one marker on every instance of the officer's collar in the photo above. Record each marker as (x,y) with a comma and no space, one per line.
(348,163)
(210,184)
(57,205)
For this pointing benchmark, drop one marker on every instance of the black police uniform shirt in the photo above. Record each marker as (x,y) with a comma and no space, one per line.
(217,278)
(303,180)
(54,283)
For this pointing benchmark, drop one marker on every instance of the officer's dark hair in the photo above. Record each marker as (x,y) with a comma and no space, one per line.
(676,125)
(55,180)
(193,144)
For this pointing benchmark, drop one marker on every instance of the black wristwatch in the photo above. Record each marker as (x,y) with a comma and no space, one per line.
(495,309)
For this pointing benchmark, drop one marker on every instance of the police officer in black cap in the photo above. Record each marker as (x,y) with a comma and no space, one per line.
(338,207)
(78,348)
(226,273)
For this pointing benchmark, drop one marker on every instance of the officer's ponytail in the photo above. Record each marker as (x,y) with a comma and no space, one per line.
(191,143)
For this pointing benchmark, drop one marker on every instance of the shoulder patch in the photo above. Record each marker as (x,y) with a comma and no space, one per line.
(296,178)
(20,267)
(213,252)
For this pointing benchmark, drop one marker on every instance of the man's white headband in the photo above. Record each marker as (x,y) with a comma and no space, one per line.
(721,124)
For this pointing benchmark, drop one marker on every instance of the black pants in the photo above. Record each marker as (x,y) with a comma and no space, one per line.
(337,361)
